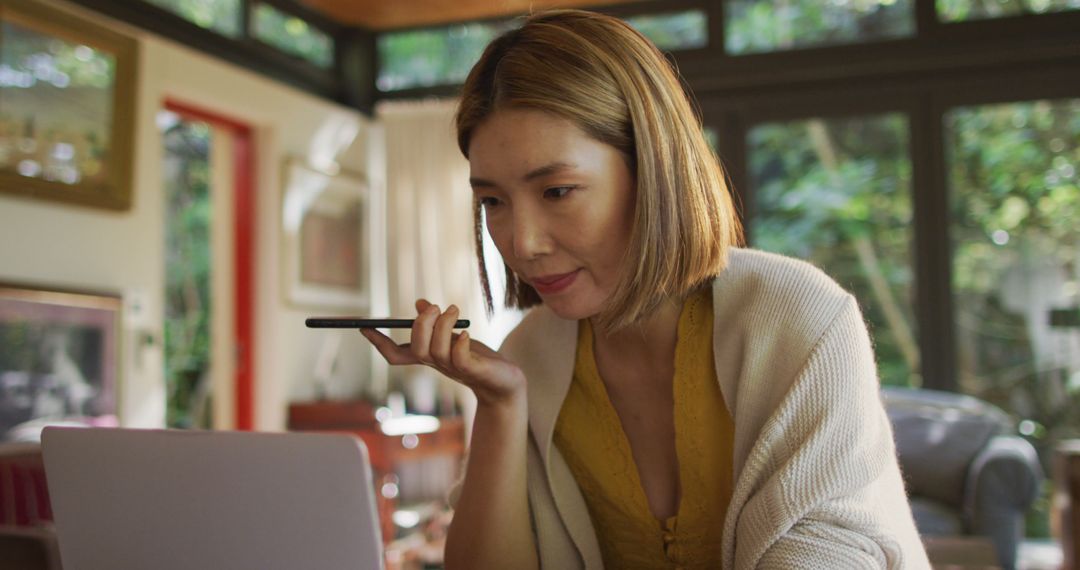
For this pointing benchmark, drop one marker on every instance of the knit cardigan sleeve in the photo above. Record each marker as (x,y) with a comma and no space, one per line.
(822,486)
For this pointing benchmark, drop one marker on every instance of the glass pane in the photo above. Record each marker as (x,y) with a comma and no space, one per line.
(440,56)
(292,35)
(1016,260)
(40,74)
(187,272)
(221,16)
(675,31)
(837,192)
(753,26)
(959,10)
(712,137)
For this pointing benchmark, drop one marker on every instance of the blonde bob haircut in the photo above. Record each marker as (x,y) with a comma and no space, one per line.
(615,85)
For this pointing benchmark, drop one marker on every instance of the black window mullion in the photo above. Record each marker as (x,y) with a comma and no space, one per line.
(933,249)
(717,34)
(356,68)
(734,157)
(926,21)
(246,7)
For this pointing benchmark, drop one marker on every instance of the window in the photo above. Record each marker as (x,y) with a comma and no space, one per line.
(292,35)
(444,56)
(1015,199)
(674,31)
(221,16)
(960,10)
(437,56)
(837,192)
(754,26)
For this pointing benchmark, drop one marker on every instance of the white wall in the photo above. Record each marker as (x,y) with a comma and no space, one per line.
(74,247)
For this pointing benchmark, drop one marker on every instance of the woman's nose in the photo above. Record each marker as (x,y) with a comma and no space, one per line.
(530,237)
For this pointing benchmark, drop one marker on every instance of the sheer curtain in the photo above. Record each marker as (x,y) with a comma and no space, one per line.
(430,247)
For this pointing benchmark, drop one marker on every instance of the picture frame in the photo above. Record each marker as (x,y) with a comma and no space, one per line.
(326,238)
(68,114)
(59,359)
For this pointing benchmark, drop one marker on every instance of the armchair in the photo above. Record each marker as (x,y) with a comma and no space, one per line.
(966,472)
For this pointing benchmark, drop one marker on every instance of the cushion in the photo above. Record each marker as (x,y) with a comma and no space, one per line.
(938,435)
(935,519)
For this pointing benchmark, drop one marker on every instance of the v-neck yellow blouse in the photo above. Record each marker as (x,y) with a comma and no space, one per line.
(590,436)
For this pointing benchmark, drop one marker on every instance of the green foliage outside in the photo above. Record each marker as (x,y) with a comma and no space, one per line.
(960,10)
(221,16)
(187,275)
(444,56)
(754,26)
(436,56)
(292,35)
(838,193)
(674,31)
(1016,256)
(835,191)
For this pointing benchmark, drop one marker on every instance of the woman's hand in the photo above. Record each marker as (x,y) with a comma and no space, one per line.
(492,378)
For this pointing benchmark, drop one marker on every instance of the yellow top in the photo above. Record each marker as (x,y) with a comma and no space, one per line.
(590,436)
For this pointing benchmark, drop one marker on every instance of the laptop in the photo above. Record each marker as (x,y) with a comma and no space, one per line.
(128,499)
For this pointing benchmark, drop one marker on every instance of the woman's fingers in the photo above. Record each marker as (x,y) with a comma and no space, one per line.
(458,356)
(393,352)
(461,355)
(442,336)
(422,331)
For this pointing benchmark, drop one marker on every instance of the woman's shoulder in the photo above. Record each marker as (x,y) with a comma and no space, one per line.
(768,289)
(766,277)
(778,274)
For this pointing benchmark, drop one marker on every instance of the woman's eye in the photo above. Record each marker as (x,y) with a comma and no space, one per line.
(489,202)
(557,192)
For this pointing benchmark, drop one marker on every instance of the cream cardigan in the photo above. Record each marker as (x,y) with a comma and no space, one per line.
(817,484)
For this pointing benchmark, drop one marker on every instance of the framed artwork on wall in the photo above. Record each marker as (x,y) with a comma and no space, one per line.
(67,107)
(59,360)
(326,238)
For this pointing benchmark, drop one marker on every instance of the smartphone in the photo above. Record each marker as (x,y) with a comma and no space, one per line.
(366,323)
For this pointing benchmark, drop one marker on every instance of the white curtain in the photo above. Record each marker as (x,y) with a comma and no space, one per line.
(430,246)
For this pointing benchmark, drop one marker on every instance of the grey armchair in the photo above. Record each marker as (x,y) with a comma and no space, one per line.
(966,471)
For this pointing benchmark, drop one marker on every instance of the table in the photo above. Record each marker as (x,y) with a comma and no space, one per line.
(1067,499)
(406,467)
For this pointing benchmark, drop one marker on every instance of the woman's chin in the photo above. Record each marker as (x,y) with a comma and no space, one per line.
(568,309)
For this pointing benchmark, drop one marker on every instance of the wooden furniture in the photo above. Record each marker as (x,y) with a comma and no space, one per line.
(960,553)
(27,537)
(407,468)
(1067,499)
(968,474)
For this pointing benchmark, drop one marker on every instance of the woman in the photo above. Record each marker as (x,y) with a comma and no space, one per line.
(671,400)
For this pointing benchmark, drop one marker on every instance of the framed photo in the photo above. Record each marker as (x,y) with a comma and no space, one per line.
(58,360)
(67,107)
(326,238)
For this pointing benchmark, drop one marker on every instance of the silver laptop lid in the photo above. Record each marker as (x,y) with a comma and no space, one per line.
(165,499)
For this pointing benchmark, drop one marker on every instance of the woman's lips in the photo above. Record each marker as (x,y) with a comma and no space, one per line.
(550,284)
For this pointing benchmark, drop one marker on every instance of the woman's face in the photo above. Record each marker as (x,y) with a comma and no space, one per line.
(559,206)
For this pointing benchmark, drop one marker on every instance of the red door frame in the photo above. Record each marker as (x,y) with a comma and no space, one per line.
(244,233)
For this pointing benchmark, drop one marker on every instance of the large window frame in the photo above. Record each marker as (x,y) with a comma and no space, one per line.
(346,81)
(943,65)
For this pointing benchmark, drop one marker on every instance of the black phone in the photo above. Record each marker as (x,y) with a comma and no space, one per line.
(366,323)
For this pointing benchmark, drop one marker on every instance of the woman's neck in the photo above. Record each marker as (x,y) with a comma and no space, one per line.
(648,344)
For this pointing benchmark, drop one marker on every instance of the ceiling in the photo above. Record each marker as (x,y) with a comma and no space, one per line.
(391,14)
